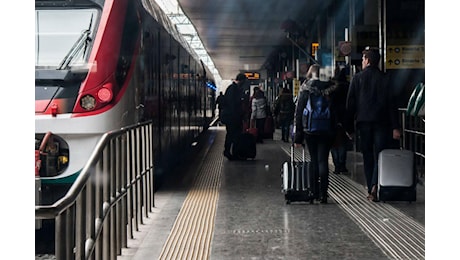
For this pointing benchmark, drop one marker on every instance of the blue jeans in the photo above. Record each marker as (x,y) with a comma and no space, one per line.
(339,157)
(285,124)
(319,147)
(374,138)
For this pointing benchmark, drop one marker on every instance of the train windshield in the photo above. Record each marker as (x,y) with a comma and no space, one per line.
(63,38)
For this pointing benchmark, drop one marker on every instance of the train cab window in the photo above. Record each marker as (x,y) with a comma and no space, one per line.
(63,37)
(130,32)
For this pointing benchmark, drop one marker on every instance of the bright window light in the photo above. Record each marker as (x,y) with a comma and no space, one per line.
(186,28)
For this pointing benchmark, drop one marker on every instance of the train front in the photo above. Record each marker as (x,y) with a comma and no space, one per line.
(78,94)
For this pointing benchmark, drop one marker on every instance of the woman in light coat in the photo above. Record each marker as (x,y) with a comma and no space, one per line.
(259,112)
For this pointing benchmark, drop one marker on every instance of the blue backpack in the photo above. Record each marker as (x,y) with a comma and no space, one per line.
(317,114)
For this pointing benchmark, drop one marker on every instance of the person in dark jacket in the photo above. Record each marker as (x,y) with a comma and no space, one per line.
(284,109)
(220,102)
(339,148)
(370,105)
(232,113)
(319,144)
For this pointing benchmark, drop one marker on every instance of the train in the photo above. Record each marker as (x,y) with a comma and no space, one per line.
(101,65)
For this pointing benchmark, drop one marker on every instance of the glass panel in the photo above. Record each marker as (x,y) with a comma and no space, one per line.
(63,36)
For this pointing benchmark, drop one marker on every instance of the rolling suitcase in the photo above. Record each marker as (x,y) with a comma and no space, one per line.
(298,180)
(396,176)
(244,147)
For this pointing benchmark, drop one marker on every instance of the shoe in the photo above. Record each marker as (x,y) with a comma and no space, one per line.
(323,200)
(228,155)
(372,198)
(373,195)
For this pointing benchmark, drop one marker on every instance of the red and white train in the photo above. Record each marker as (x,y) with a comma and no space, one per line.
(104,64)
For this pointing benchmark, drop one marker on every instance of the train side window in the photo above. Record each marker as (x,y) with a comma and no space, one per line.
(130,32)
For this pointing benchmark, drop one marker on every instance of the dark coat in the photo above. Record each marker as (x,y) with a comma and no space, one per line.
(369,100)
(284,107)
(232,110)
(220,101)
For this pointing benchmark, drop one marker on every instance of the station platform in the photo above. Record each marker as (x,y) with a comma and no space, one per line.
(213,208)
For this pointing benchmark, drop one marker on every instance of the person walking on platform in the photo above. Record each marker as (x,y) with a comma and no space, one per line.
(220,103)
(284,109)
(232,113)
(318,131)
(339,148)
(370,107)
(259,113)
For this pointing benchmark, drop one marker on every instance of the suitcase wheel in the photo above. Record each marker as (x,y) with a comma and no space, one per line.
(288,202)
(312,201)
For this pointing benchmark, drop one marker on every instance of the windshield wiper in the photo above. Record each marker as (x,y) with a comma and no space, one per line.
(82,41)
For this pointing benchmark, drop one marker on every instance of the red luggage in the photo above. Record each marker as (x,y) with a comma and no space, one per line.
(253,131)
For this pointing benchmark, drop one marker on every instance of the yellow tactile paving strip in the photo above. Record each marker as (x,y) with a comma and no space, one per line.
(192,232)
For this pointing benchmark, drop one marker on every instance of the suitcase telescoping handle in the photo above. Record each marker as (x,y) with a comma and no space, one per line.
(292,153)
(296,173)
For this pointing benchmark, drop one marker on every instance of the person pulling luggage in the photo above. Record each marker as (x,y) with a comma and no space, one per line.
(316,117)
(371,106)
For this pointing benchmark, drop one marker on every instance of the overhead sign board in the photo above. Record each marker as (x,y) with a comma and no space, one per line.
(252,75)
(314,48)
(405,57)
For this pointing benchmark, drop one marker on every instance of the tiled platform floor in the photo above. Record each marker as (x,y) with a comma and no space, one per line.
(250,219)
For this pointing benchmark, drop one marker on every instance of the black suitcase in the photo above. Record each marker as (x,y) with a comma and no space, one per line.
(244,147)
(298,182)
(397,177)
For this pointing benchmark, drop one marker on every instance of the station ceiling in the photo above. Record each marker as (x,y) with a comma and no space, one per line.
(240,35)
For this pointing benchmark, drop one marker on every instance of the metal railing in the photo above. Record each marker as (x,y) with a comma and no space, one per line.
(108,200)
(413,139)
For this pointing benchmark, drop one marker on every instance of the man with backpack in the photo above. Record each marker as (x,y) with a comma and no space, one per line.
(369,104)
(316,118)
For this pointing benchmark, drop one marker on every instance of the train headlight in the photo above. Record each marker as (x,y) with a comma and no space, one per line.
(88,102)
(105,93)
